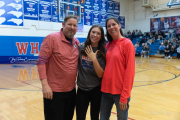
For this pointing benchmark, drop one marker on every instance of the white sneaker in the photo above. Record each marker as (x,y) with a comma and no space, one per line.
(165,57)
(141,56)
(148,56)
(171,57)
(144,56)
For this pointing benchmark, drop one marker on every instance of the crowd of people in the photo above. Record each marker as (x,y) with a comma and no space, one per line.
(99,81)
(169,42)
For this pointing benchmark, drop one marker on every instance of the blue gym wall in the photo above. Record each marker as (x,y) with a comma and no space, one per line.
(9,49)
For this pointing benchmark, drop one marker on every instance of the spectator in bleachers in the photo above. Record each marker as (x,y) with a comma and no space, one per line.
(161,42)
(177,42)
(151,35)
(154,39)
(172,51)
(156,35)
(178,52)
(125,35)
(129,34)
(159,33)
(148,34)
(161,49)
(167,51)
(171,31)
(149,42)
(174,33)
(178,32)
(178,38)
(136,45)
(170,44)
(177,45)
(143,40)
(143,52)
(144,34)
(132,36)
(174,42)
(162,34)
(165,42)
(143,44)
(136,33)
(148,49)
(140,33)
(160,37)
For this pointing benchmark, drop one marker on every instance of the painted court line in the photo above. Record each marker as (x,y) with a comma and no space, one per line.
(31,85)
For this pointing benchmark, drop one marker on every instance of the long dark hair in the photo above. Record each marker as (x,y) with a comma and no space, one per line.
(101,43)
(110,39)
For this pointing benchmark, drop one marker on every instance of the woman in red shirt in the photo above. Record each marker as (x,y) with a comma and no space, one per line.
(119,72)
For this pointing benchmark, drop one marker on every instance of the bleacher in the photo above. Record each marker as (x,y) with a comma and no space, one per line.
(154,48)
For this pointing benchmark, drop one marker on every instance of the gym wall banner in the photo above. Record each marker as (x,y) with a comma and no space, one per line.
(110,6)
(96,5)
(88,4)
(31,9)
(96,18)
(103,18)
(11,12)
(45,11)
(103,5)
(116,8)
(88,17)
(164,23)
(54,11)
(122,21)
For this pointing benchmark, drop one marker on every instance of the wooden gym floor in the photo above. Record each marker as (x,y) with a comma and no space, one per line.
(155,94)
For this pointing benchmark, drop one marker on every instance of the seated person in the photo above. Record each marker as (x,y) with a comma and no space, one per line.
(151,35)
(136,45)
(125,35)
(161,42)
(167,51)
(143,44)
(143,40)
(178,52)
(178,38)
(161,49)
(149,41)
(147,50)
(139,33)
(143,51)
(172,51)
(174,42)
(154,39)
(136,33)
(165,42)
(129,33)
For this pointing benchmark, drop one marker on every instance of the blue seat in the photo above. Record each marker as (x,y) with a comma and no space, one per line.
(139,48)
(151,54)
(175,54)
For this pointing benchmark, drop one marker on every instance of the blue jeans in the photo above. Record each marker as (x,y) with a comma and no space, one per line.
(107,102)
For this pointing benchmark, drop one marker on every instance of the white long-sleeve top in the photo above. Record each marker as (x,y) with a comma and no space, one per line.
(178,49)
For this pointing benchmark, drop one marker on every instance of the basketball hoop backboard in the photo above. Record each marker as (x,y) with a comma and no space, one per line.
(173,3)
(67,7)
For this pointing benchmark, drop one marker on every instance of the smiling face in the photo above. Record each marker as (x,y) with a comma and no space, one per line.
(95,36)
(70,27)
(113,29)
